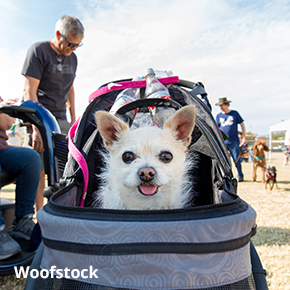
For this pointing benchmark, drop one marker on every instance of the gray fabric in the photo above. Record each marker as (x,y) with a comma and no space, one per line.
(41,63)
(64,125)
(69,198)
(203,147)
(31,283)
(163,271)
(211,143)
(159,271)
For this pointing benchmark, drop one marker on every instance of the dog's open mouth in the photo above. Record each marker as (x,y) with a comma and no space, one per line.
(148,189)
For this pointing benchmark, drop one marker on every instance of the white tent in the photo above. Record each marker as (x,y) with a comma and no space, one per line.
(283,126)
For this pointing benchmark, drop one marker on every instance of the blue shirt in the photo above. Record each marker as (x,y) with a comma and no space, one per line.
(228,123)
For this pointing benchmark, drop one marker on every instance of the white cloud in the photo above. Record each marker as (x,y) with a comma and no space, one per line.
(11,79)
(238,49)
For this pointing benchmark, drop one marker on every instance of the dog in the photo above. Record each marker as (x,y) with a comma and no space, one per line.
(146,167)
(259,158)
(271,177)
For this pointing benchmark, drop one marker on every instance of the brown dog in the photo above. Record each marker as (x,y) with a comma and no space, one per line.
(259,158)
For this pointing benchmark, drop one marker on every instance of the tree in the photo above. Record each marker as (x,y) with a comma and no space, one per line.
(278,135)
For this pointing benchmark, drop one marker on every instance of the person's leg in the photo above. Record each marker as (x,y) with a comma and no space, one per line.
(235,152)
(39,199)
(26,164)
(8,246)
(2,221)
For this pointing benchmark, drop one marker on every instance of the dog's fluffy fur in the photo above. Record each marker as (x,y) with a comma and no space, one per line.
(139,173)
(271,177)
(259,158)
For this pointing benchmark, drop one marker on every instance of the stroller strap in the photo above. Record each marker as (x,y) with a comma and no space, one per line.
(129,84)
(79,158)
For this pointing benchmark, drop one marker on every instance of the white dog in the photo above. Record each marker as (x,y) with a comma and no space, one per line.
(146,167)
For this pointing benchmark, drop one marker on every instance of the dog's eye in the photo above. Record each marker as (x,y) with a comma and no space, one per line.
(165,157)
(128,157)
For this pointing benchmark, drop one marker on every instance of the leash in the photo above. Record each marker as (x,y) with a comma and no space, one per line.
(260,163)
(238,158)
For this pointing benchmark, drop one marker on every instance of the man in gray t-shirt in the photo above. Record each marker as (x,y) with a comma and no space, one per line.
(49,71)
(55,74)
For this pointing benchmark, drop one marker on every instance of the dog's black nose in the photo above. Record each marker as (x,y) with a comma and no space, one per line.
(146,174)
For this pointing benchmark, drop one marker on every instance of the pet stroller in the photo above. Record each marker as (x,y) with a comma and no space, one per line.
(206,246)
(55,157)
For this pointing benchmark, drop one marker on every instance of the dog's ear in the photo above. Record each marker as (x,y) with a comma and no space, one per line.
(255,150)
(182,124)
(266,148)
(110,127)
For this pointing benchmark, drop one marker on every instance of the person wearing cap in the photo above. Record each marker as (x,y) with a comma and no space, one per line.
(228,121)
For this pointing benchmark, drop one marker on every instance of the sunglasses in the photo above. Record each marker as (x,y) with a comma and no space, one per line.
(59,66)
(70,44)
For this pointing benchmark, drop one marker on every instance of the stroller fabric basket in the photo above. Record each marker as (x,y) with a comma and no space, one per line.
(205,246)
(178,249)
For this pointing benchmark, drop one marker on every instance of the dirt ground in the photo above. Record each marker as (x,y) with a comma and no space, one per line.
(272,240)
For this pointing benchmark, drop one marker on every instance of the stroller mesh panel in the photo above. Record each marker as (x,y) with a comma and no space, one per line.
(54,283)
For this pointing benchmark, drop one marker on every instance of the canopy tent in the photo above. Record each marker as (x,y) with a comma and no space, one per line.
(283,126)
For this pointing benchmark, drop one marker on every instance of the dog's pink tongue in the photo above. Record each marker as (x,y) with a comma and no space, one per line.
(148,189)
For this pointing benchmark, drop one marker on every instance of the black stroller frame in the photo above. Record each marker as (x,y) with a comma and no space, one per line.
(207,246)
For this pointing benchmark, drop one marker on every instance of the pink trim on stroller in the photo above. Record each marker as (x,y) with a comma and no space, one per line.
(129,84)
(79,158)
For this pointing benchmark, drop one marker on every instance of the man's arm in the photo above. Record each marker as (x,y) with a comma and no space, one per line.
(30,88)
(30,93)
(70,104)
(244,140)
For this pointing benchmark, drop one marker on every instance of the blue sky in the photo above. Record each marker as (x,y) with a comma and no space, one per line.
(238,49)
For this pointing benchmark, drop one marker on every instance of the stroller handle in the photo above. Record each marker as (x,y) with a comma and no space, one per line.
(16,111)
(145,103)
